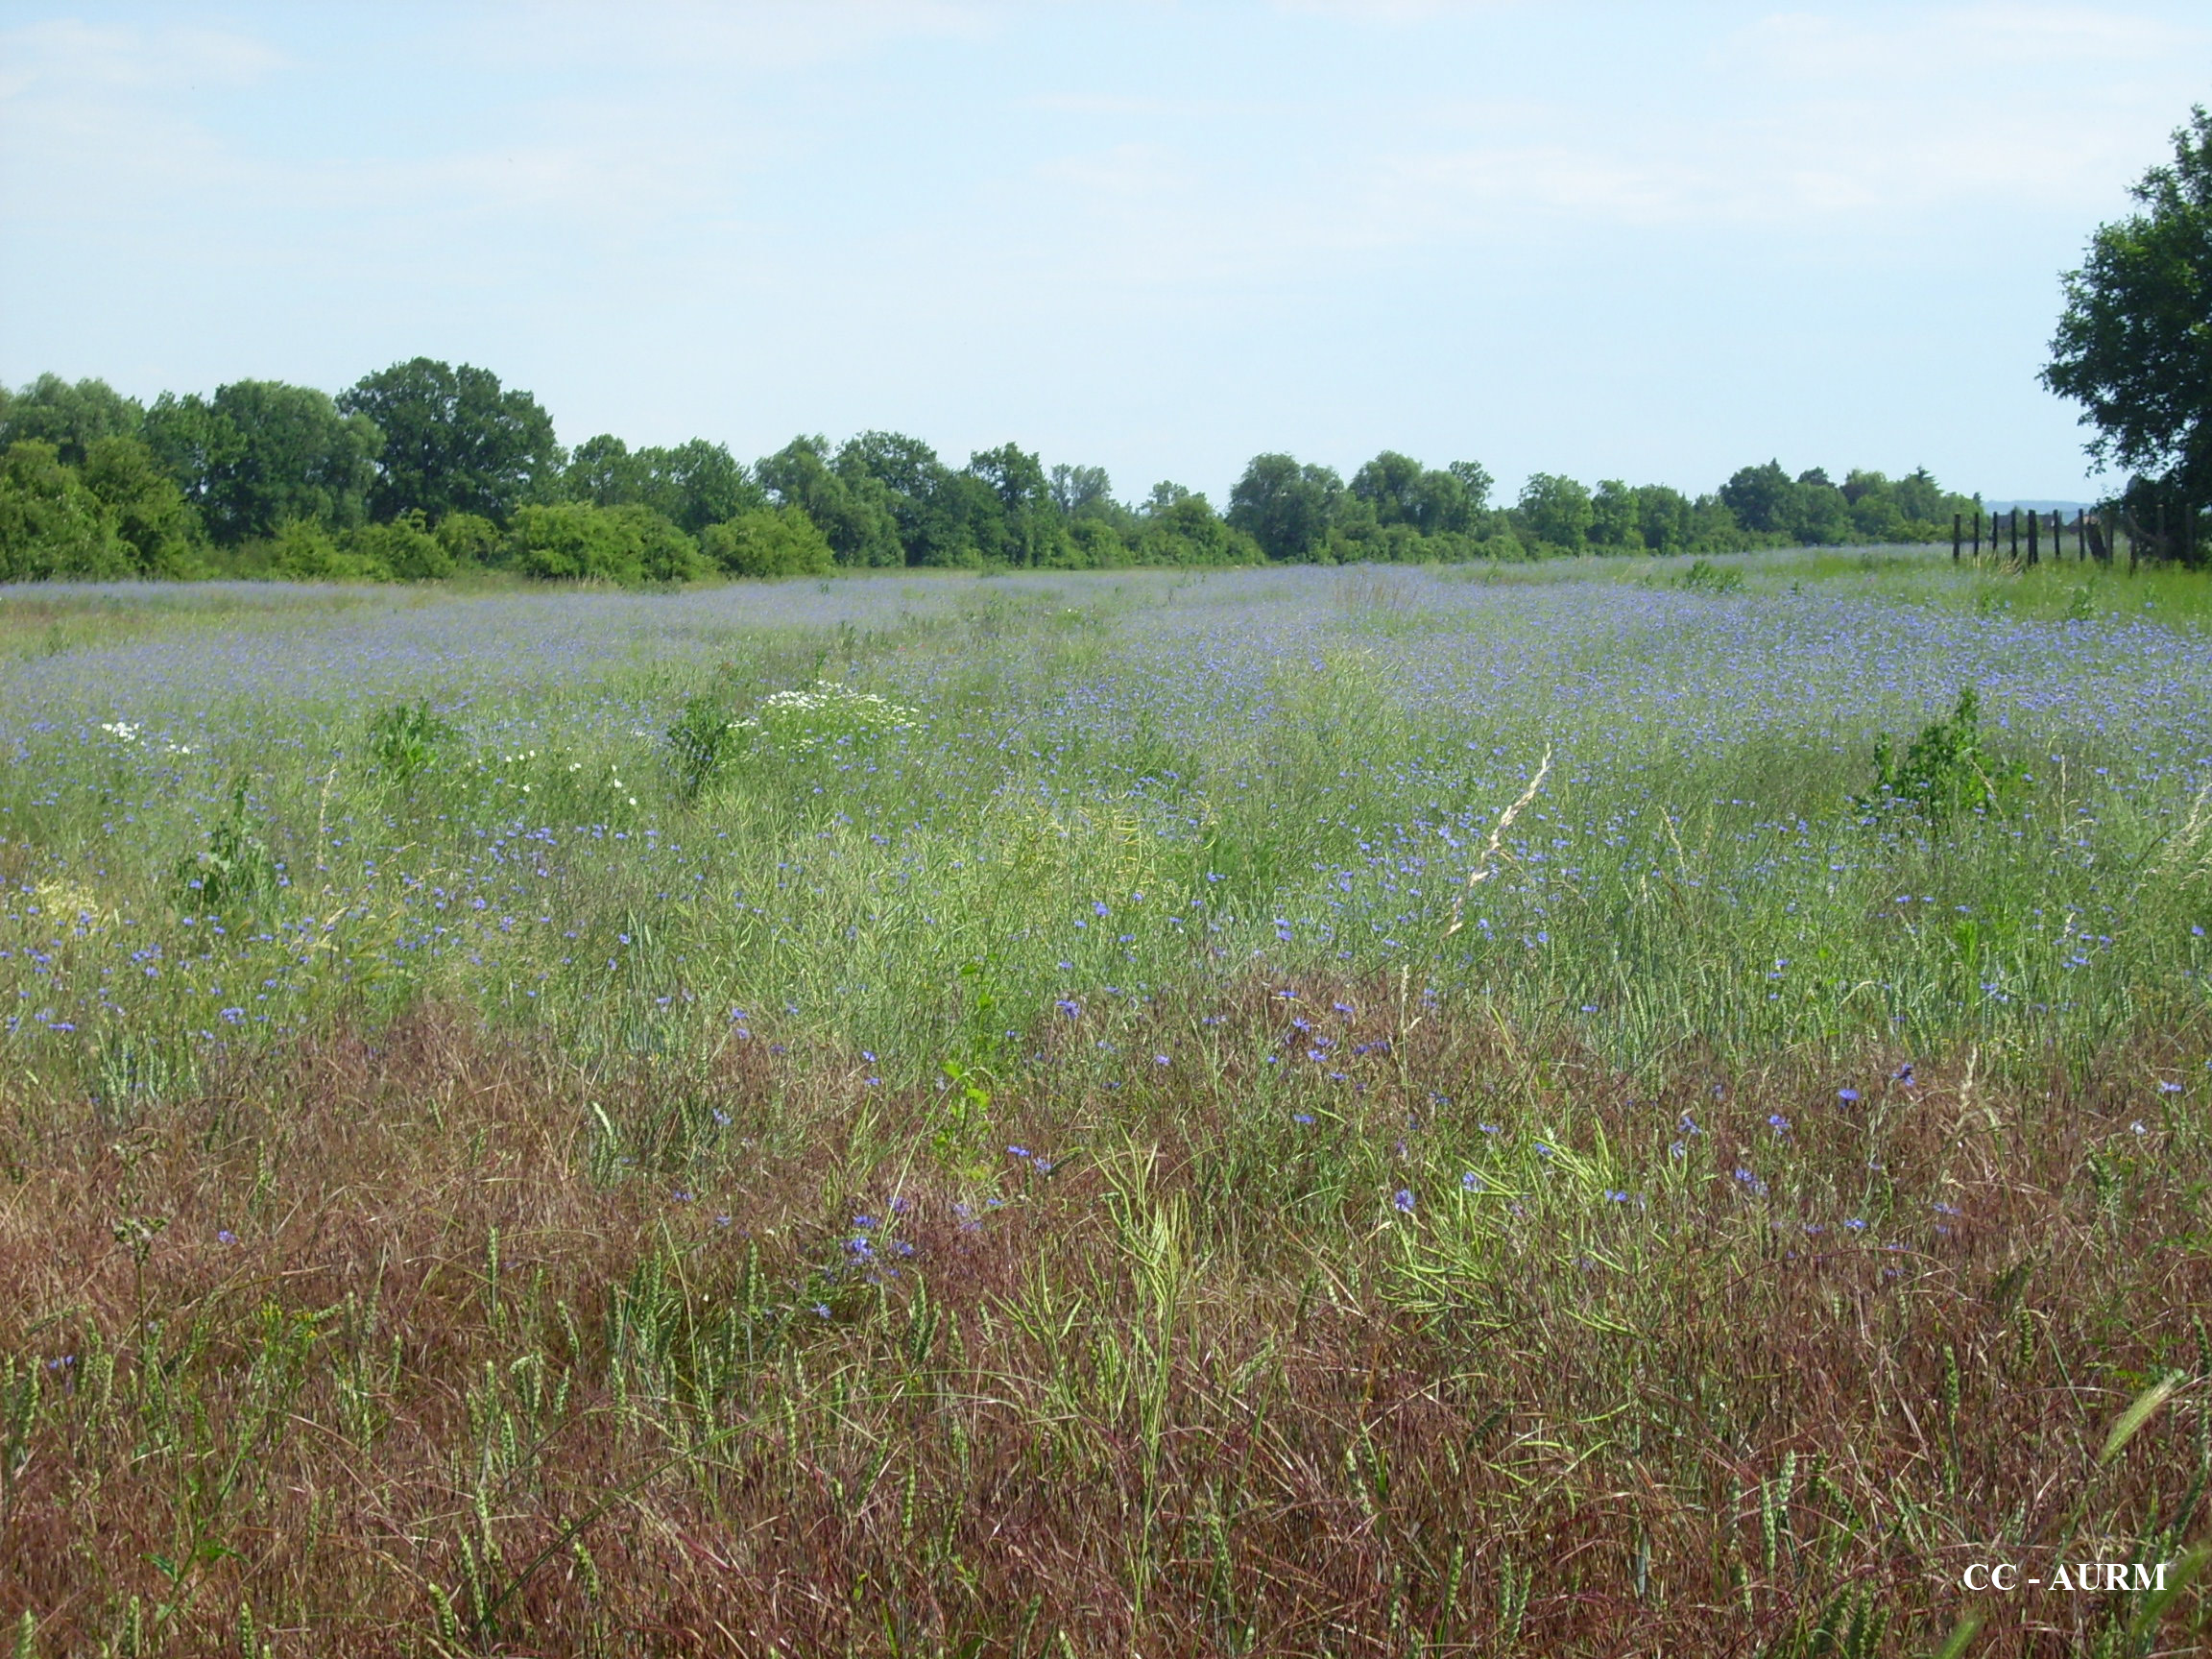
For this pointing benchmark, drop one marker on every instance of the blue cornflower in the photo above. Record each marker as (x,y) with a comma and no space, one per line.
(1471,1181)
(1403,1201)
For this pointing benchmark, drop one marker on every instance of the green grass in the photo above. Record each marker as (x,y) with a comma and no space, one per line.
(1704,1221)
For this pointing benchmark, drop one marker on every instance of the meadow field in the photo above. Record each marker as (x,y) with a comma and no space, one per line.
(1602,1107)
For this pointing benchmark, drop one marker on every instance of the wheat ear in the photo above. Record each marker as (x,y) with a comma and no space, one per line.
(1484,868)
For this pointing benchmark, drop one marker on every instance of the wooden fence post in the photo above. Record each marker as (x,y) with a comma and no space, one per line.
(2034,534)
(1977,534)
(2013,518)
(1957,534)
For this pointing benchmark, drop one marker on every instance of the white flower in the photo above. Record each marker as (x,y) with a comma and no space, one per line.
(121,730)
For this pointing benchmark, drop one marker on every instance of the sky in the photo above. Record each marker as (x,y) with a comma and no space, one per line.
(1645,241)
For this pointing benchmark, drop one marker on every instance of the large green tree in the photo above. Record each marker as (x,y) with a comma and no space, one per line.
(905,474)
(1285,507)
(261,453)
(1556,511)
(147,509)
(50,524)
(1763,498)
(1433,501)
(72,418)
(692,485)
(2135,344)
(854,510)
(455,442)
(1027,521)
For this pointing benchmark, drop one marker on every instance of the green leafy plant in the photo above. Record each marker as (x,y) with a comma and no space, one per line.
(702,743)
(1706,577)
(405,739)
(963,1122)
(1942,771)
(236,868)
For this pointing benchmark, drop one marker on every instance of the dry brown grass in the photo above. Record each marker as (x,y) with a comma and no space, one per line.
(1176,1397)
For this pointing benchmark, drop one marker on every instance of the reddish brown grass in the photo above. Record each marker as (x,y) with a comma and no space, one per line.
(355,1402)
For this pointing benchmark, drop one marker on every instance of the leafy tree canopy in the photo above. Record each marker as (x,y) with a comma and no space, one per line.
(851,508)
(1283,506)
(147,509)
(1082,491)
(1759,497)
(454,441)
(692,485)
(72,418)
(1558,511)
(2134,342)
(262,454)
(50,524)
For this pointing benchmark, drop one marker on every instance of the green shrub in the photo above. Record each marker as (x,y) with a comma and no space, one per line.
(1706,577)
(50,524)
(303,551)
(468,539)
(149,513)
(236,868)
(702,743)
(405,740)
(1944,769)
(768,542)
(404,549)
(576,541)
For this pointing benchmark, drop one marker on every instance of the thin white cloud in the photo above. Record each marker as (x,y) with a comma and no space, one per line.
(1964,47)
(690,36)
(70,54)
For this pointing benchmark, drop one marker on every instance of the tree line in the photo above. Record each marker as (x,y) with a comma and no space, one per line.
(422,471)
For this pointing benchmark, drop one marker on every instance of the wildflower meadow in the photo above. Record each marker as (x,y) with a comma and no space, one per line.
(1589,1107)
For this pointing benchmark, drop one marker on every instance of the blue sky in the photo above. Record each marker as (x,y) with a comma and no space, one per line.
(1645,241)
